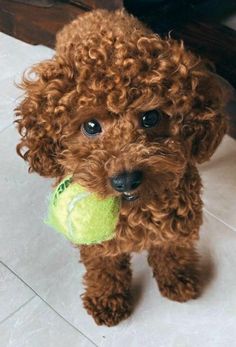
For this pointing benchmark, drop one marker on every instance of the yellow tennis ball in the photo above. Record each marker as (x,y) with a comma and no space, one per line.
(80,215)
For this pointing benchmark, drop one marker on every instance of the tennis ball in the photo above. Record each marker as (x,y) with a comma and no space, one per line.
(80,215)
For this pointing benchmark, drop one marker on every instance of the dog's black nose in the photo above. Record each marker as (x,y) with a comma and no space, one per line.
(127,181)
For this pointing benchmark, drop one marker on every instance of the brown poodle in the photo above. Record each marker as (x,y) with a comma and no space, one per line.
(128,114)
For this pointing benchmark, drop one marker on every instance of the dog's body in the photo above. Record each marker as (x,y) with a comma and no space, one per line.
(127,114)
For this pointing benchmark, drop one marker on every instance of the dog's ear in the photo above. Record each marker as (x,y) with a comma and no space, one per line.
(205,125)
(42,116)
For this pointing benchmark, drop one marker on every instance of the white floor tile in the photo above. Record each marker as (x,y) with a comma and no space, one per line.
(16,56)
(27,240)
(219,179)
(49,264)
(36,325)
(13,293)
(10,96)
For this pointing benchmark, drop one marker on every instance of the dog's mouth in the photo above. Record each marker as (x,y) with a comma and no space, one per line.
(129,196)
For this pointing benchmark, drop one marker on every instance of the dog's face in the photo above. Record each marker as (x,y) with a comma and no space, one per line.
(139,122)
(134,154)
(123,115)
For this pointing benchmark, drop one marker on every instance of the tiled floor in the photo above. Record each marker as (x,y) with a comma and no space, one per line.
(40,277)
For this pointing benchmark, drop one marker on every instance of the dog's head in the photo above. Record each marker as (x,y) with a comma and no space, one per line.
(121,109)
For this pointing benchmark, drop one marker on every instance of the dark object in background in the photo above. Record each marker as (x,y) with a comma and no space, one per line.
(85,5)
(166,15)
(39,3)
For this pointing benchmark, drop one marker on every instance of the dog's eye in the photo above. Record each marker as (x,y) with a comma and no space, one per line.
(150,119)
(91,127)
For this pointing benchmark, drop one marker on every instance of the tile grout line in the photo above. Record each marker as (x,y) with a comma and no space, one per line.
(18,309)
(63,318)
(219,219)
(7,127)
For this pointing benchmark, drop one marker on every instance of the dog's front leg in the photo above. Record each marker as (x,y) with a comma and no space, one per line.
(175,268)
(108,281)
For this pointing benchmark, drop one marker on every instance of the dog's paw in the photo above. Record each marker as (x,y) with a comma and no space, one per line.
(180,286)
(108,310)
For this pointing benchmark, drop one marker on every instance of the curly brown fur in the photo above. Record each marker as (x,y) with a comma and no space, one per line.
(108,281)
(108,66)
(175,267)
